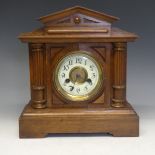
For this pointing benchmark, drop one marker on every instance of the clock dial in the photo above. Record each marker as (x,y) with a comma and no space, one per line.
(78,77)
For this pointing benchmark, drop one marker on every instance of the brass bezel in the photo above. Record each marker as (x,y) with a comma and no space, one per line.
(70,97)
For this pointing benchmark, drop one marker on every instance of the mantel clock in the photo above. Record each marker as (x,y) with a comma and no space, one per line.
(78,76)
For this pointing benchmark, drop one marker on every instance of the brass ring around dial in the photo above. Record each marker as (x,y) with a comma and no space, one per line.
(66,95)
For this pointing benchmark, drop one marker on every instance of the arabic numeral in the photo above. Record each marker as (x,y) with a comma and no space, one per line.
(93,75)
(86,88)
(91,67)
(63,75)
(71,88)
(78,90)
(79,60)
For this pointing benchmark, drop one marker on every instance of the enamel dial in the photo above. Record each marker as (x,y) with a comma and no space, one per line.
(78,76)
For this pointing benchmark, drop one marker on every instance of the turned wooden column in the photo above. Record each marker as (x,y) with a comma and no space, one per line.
(119,79)
(37,69)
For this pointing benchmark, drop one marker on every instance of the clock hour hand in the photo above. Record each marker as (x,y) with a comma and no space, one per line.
(67,80)
(89,81)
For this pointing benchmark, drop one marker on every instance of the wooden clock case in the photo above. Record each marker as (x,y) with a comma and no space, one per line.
(71,30)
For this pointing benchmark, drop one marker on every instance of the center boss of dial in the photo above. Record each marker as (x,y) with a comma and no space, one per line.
(78,75)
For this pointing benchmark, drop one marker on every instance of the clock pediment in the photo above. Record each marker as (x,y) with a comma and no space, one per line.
(76,20)
(77,24)
(78,10)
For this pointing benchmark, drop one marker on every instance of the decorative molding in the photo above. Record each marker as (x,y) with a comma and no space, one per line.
(86,20)
(76,31)
(101,51)
(119,87)
(78,19)
(120,47)
(38,87)
(78,10)
(64,21)
(118,101)
(55,50)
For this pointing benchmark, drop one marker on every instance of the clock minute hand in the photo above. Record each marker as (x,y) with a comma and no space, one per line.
(72,87)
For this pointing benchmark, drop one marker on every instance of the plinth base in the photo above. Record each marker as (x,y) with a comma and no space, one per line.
(38,123)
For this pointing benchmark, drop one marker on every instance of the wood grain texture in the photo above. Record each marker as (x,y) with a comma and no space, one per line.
(119,80)
(78,9)
(57,52)
(38,124)
(72,30)
(39,36)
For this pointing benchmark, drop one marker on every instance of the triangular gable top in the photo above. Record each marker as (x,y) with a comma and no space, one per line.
(78,9)
(91,26)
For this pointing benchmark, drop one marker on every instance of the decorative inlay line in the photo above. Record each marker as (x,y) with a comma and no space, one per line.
(117,100)
(77,31)
(38,87)
(89,21)
(64,21)
(40,101)
(119,86)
